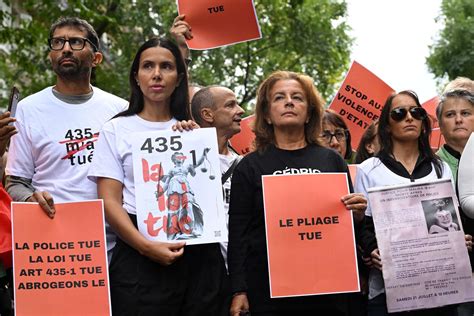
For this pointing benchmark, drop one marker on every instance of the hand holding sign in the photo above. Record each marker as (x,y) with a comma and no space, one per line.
(178,195)
(60,266)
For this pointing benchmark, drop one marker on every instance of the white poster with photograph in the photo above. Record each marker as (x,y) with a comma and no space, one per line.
(422,246)
(178,186)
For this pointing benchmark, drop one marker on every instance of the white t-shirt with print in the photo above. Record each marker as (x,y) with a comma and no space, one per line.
(113,154)
(56,141)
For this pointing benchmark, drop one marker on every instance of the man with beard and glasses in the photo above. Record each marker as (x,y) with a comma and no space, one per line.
(49,158)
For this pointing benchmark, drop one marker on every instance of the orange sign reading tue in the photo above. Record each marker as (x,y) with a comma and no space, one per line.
(310,235)
(218,23)
(60,264)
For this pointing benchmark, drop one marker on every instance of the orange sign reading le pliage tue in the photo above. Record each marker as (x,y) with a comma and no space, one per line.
(60,264)
(310,235)
(216,23)
(360,100)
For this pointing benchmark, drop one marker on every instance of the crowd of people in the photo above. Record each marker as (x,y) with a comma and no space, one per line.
(71,142)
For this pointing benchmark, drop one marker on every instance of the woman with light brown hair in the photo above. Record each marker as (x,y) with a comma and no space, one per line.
(287,124)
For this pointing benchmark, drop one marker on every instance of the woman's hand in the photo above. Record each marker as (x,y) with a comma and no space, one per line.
(357,203)
(376,259)
(184,125)
(367,260)
(163,252)
(110,190)
(468,239)
(240,304)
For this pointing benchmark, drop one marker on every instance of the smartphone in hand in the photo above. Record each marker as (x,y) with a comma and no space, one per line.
(14,98)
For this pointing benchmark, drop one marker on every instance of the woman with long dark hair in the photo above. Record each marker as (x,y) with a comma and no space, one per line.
(149,277)
(405,156)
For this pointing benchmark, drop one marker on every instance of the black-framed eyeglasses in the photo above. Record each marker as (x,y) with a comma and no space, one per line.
(76,43)
(339,134)
(398,114)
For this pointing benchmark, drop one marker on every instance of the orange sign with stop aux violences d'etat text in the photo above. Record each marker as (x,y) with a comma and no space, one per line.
(360,100)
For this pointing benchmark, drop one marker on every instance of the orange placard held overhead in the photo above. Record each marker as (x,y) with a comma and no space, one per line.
(60,264)
(360,100)
(242,142)
(436,139)
(217,23)
(310,235)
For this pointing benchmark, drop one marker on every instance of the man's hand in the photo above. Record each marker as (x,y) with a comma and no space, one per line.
(6,131)
(181,31)
(45,200)
(240,305)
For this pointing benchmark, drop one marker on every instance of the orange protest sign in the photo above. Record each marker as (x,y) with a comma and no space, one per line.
(60,264)
(5,229)
(218,23)
(360,100)
(242,142)
(436,139)
(310,235)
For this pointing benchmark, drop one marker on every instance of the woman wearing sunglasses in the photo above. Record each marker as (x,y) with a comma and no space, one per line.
(405,156)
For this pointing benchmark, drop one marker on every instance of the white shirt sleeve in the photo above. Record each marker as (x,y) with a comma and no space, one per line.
(106,162)
(361,186)
(20,160)
(466,178)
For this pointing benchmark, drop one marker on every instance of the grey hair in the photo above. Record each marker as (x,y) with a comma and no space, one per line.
(457,94)
(460,83)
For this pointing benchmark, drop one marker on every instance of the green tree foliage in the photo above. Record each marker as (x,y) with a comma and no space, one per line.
(300,35)
(121,26)
(452,55)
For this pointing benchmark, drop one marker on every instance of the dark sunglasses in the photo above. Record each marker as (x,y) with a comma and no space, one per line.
(399,114)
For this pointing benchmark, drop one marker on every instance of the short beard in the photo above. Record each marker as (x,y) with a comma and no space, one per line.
(72,72)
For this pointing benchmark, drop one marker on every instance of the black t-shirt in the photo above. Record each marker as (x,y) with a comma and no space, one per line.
(247,254)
